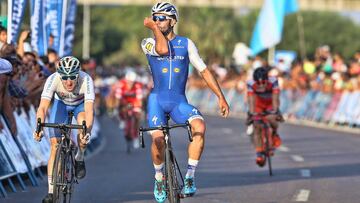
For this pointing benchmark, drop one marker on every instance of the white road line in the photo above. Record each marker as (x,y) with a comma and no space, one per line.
(227,130)
(305,173)
(283,148)
(302,196)
(297,158)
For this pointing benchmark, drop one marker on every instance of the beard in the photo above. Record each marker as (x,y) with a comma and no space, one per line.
(166,32)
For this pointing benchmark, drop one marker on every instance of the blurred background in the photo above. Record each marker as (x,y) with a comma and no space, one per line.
(311,46)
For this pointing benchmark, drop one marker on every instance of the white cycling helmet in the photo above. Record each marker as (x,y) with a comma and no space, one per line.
(130,76)
(68,65)
(165,8)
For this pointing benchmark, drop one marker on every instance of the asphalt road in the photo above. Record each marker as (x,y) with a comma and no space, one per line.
(313,165)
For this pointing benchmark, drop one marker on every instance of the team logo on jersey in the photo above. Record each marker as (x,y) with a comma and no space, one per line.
(149,46)
(154,120)
(164,70)
(177,70)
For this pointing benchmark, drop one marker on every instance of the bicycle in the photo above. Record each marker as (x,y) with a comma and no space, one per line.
(63,178)
(266,137)
(130,130)
(172,170)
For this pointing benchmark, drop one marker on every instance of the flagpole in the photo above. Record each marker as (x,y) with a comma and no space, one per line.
(86,31)
(271,56)
(302,46)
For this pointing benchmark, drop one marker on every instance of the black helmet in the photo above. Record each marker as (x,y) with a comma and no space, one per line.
(260,74)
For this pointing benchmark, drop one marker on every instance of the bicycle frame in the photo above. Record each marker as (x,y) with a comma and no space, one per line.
(171,165)
(63,168)
(266,137)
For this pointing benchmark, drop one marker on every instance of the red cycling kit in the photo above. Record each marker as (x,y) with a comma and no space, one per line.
(263,95)
(129,95)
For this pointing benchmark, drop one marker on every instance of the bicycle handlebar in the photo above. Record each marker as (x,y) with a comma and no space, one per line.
(164,128)
(40,125)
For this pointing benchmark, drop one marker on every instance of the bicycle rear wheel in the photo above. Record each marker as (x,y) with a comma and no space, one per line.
(58,175)
(172,181)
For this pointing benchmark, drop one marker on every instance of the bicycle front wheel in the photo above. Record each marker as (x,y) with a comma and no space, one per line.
(268,152)
(172,181)
(58,179)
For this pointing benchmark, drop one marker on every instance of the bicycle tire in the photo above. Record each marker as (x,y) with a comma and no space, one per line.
(58,175)
(172,182)
(268,149)
(69,176)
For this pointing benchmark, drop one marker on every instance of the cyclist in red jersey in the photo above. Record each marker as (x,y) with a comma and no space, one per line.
(129,95)
(263,96)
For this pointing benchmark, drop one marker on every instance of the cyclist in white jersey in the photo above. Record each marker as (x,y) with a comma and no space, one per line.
(73,90)
(169,56)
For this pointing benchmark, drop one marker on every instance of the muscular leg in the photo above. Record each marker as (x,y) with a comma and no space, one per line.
(157,153)
(257,137)
(273,122)
(53,141)
(196,147)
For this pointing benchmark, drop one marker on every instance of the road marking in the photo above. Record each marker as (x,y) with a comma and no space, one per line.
(297,158)
(227,130)
(302,196)
(305,173)
(283,148)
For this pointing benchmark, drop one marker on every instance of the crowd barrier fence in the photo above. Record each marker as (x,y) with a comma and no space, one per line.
(21,156)
(339,108)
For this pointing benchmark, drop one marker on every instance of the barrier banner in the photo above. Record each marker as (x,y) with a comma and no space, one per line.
(12,149)
(70,28)
(39,37)
(56,15)
(16,10)
(5,164)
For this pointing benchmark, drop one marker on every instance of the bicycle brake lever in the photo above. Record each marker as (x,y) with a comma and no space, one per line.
(141,135)
(38,126)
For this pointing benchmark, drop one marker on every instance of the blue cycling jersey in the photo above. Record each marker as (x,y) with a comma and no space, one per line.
(170,73)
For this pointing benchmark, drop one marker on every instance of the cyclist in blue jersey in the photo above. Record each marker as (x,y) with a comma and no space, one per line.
(169,56)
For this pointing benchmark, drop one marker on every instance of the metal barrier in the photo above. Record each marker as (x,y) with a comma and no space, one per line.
(332,108)
(21,154)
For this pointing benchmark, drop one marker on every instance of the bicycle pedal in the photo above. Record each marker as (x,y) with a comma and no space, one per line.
(76,181)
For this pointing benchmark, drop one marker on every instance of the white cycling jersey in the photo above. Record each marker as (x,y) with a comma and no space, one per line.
(84,90)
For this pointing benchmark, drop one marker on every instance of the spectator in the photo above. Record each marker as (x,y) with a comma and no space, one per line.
(5,100)
(3,36)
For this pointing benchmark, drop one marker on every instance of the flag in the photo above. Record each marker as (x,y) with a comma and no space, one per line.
(56,15)
(39,38)
(269,26)
(16,10)
(70,28)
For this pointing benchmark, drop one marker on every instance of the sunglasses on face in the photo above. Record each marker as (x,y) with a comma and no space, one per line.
(160,18)
(71,77)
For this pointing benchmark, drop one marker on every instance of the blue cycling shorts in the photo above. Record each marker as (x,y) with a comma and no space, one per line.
(175,104)
(59,114)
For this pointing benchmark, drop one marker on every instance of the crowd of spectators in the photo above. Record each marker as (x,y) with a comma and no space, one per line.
(327,72)
(23,74)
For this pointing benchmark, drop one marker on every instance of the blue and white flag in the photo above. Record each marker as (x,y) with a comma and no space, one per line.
(16,10)
(269,26)
(56,15)
(39,37)
(70,28)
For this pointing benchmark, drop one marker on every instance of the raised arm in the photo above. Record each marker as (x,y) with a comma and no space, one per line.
(161,45)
